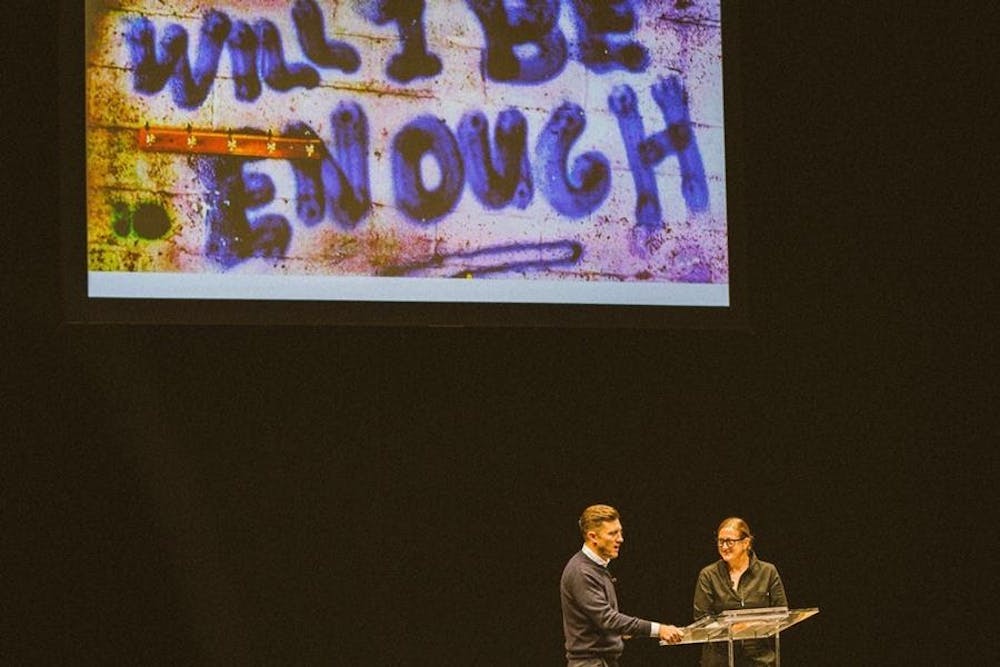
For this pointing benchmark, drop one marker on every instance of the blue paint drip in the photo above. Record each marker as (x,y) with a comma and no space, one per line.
(678,139)
(604,28)
(258,188)
(491,260)
(341,179)
(232,238)
(524,43)
(310,198)
(553,253)
(242,45)
(689,265)
(625,106)
(426,135)
(497,181)
(347,179)
(415,60)
(149,72)
(279,74)
(330,53)
(587,185)
(154,67)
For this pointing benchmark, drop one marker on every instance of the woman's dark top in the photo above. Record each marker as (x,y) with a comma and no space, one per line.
(759,586)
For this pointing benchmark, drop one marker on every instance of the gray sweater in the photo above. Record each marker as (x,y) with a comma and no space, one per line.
(592,624)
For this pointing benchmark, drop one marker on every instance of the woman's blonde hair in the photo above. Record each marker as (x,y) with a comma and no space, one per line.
(737,524)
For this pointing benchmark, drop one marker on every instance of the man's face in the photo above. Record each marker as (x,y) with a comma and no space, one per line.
(607,539)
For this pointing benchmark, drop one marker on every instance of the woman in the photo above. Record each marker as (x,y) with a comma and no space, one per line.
(737,581)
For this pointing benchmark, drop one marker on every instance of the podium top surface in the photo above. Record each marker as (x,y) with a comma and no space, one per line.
(741,624)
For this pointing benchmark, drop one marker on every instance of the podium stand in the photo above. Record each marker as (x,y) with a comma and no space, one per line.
(739,624)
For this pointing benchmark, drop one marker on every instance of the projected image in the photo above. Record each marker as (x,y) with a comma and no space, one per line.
(399,150)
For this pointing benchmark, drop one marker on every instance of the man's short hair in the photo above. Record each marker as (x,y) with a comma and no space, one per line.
(594,516)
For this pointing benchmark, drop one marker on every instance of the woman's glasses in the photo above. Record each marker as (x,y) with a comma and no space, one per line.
(729,541)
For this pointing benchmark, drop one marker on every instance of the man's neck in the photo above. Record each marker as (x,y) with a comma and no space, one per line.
(594,556)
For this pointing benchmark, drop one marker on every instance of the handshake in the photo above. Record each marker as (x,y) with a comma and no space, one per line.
(670,634)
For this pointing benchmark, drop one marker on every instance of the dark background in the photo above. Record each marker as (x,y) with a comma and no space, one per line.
(408,496)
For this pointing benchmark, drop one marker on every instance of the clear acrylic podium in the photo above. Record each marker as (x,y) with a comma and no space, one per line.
(738,624)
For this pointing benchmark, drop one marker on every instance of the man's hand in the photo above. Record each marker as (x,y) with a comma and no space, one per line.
(671,633)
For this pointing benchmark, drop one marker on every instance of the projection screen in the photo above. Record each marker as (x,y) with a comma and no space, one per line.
(381,153)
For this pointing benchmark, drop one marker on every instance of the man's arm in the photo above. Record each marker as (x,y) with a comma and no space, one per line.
(670,633)
(596,605)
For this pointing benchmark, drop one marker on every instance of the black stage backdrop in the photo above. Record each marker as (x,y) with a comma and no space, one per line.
(295,495)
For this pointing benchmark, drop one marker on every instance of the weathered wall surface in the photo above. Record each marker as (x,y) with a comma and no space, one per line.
(563,140)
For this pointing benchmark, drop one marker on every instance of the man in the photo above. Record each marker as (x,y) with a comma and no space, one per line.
(592,624)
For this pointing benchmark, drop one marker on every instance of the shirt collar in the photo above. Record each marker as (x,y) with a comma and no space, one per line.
(589,553)
(750,566)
